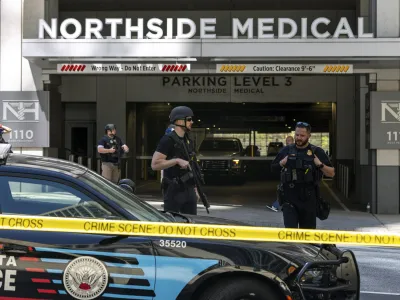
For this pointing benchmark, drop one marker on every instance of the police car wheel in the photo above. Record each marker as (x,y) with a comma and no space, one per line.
(240,289)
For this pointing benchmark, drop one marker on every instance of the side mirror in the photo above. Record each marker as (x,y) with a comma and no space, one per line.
(126,187)
(127,184)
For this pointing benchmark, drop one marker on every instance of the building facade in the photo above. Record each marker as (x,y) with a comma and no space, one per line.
(66,70)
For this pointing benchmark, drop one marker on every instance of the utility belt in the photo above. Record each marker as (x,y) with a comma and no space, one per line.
(117,164)
(184,179)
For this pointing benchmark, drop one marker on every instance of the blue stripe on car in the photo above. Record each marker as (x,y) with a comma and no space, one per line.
(174,273)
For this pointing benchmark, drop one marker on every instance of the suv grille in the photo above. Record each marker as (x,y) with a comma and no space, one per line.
(215,164)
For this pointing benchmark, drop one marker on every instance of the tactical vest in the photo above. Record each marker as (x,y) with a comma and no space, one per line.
(179,152)
(300,167)
(114,142)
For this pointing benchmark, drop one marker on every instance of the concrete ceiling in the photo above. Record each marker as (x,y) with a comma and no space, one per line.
(90,5)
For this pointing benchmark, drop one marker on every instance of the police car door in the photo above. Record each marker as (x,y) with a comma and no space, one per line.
(62,265)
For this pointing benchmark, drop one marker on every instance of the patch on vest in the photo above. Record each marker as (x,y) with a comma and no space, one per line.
(309,152)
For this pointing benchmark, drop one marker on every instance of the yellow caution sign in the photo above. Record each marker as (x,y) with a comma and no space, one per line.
(285,69)
(336,68)
(200,231)
(232,68)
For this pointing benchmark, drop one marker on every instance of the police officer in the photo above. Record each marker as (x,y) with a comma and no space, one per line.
(171,156)
(302,165)
(111,148)
(3,130)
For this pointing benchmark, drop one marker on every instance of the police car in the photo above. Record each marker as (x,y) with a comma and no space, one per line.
(68,265)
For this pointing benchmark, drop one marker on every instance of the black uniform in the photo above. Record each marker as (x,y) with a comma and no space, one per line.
(109,143)
(178,187)
(300,180)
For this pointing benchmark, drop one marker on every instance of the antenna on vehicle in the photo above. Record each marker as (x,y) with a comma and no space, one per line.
(5,150)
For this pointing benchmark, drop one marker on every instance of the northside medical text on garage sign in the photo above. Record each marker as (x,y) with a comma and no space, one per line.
(185,28)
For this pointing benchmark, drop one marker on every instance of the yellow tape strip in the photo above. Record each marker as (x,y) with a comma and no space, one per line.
(182,230)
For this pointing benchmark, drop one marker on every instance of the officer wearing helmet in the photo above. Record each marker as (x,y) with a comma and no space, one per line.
(178,188)
(111,148)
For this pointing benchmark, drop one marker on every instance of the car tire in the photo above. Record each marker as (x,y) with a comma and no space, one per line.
(238,289)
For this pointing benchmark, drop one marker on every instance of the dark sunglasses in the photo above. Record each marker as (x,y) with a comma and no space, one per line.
(189,119)
(303,124)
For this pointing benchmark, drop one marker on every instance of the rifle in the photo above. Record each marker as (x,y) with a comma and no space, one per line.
(198,180)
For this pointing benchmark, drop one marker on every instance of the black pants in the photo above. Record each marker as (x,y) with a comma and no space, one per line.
(181,199)
(299,209)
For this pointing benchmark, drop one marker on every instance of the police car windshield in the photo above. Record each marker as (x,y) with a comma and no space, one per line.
(133,204)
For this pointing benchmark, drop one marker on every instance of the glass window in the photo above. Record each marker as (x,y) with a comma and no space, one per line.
(133,204)
(263,140)
(29,196)
(217,145)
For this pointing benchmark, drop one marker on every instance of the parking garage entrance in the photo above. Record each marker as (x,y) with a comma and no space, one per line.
(245,116)
(235,142)
(252,113)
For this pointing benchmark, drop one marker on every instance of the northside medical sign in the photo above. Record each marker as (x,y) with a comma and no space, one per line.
(265,28)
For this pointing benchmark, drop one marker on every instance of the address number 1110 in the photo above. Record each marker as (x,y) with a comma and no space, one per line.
(21,135)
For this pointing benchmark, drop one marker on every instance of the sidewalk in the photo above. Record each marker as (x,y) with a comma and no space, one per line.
(338,219)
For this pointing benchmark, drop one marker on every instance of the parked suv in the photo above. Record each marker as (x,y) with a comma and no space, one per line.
(274,148)
(232,168)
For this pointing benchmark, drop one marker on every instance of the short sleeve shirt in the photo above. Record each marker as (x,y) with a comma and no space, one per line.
(166,146)
(105,142)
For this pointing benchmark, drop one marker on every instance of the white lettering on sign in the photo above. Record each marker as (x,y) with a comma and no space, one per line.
(391,108)
(7,277)
(186,28)
(122,68)
(21,111)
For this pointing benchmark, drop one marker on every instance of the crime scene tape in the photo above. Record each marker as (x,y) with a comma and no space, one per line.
(199,231)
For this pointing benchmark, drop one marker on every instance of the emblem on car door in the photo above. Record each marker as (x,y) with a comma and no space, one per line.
(85,278)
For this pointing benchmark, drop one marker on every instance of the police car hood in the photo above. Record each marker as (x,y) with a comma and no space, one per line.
(299,253)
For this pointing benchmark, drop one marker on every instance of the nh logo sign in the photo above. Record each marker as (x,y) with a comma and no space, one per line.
(390,112)
(20,111)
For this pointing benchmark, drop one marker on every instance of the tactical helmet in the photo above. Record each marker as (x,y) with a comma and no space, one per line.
(109,127)
(128,182)
(180,112)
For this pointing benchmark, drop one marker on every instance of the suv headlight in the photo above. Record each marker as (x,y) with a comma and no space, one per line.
(312,276)
(319,276)
(235,163)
